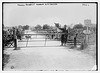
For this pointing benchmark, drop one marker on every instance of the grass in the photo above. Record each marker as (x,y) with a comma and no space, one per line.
(5,59)
(88,48)
(91,50)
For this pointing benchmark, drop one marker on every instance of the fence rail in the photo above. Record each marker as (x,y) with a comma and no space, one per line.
(47,36)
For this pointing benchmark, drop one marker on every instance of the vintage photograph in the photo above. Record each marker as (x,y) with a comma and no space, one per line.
(49,36)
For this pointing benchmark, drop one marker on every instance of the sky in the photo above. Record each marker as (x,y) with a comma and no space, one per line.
(67,13)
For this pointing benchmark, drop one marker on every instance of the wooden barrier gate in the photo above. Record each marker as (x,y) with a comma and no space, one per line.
(48,37)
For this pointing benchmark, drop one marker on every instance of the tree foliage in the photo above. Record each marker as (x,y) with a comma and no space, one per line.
(78,26)
(26,27)
(46,26)
(37,27)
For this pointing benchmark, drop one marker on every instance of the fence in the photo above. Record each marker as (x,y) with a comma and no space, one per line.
(11,41)
(47,37)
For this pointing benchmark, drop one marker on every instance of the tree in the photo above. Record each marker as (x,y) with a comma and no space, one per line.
(26,27)
(20,26)
(78,26)
(46,26)
(37,27)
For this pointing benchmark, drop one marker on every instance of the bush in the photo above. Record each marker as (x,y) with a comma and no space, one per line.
(84,45)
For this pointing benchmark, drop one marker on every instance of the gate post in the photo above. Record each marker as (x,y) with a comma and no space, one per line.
(15,39)
(45,40)
(75,42)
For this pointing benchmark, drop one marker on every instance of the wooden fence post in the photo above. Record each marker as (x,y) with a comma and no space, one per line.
(45,40)
(15,39)
(75,41)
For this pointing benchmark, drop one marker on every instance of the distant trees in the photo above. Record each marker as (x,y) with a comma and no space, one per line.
(37,27)
(40,27)
(78,26)
(20,26)
(26,27)
(46,26)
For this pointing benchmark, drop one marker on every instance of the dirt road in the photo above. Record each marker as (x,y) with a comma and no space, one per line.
(48,58)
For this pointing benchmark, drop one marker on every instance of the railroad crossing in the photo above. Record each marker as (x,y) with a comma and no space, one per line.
(41,53)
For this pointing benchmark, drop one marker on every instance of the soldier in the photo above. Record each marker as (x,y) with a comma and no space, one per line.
(75,43)
(65,36)
(62,39)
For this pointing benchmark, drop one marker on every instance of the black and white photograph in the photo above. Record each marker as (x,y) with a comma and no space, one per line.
(49,36)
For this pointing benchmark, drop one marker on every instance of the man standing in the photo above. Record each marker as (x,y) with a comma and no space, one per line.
(75,41)
(62,39)
(66,36)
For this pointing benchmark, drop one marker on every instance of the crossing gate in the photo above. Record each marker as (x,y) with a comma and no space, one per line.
(42,40)
(38,39)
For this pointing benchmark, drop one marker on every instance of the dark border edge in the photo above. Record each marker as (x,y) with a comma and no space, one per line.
(56,2)
(97,35)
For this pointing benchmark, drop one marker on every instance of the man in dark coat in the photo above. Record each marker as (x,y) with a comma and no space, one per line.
(75,43)
(64,37)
